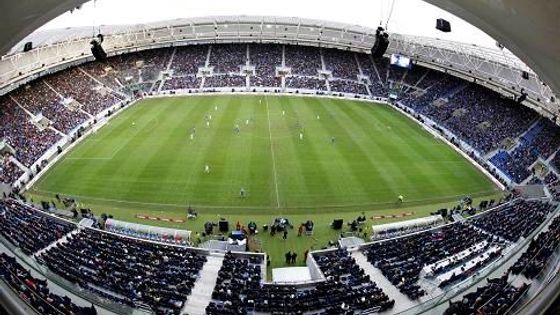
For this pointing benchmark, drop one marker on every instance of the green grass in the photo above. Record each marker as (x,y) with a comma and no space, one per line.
(144,162)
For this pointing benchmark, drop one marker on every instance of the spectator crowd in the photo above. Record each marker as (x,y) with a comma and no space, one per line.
(238,285)
(29,229)
(127,270)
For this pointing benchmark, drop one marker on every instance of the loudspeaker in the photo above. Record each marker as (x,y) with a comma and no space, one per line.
(443,25)
(525,75)
(223,226)
(380,46)
(27,47)
(97,51)
(337,224)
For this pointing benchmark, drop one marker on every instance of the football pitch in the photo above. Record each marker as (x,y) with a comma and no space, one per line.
(289,155)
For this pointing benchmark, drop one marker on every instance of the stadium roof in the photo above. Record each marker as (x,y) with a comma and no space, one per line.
(529,29)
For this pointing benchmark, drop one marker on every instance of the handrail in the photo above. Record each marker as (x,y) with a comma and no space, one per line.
(30,290)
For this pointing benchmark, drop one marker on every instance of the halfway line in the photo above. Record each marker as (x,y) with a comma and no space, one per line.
(272,153)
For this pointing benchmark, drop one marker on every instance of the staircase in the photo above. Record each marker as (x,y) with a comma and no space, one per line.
(167,69)
(125,96)
(18,164)
(376,71)
(402,302)
(421,78)
(202,292)
(521,136)
(62,240)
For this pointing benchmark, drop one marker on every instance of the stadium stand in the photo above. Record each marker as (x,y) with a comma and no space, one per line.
(36,292)
(127,270)
(16,129)
(9,172)
(37,97)
(382,66)
(396,74)
(129,72)
(368,70)
(265,58)
(499,295)
(225,81)
(346,86)
(181,83)
(306,83)
(533,260)
(550,178)
(304,61)
(29,229)
(496,297)
(515,220)
(401,260)
(347,290)
(360,292)
(238,279)
(187,60)
(541,141)
(431,78)
(342,64)
(414,75)
(75,84)
(228,58)
(481,117)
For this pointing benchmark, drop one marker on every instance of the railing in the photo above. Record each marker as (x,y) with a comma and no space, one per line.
(32,292)
(438,300)
(434,301)
(65,284)
(539,282)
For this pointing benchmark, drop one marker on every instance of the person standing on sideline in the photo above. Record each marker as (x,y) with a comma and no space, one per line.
(294,257)
(288,256)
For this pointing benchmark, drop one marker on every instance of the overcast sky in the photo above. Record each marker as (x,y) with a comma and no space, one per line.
(408,17)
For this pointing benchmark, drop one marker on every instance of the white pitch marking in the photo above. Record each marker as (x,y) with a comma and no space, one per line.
(272,152)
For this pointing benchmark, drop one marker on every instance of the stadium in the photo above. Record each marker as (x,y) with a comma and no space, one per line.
(266,164)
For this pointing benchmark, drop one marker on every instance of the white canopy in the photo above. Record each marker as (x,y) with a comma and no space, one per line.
(406,225)
(291,275)
(148,231)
